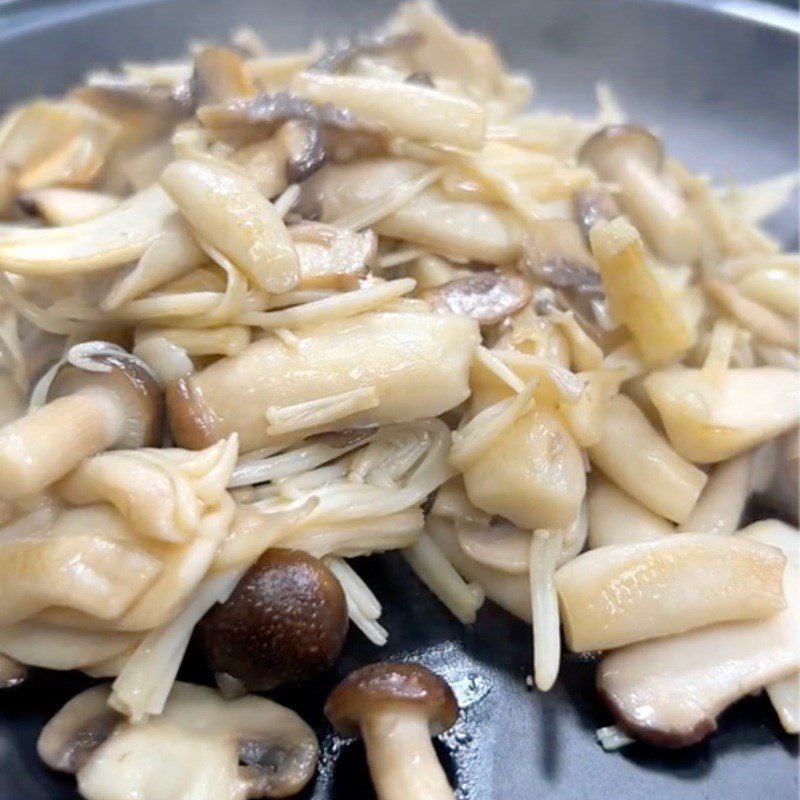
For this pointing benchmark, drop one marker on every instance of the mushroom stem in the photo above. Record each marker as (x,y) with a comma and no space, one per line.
(43,446)
(402,761)
(545,547)
(659,211)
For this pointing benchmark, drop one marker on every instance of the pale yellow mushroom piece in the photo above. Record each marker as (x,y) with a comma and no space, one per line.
(406,366)
(711,416)
(639,460)
(626,593)
(669,691)
(531,474)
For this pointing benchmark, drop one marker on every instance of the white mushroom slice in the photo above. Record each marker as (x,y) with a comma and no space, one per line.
(639,460)
(331,257)
(511,592)
(616,518)
(63,206)
(722,502)
(417,363)
(785,698)
(407,109)
(626,593)
(670,691)
(232,216)
(53,647)
(711,417)
(76,563)
(532,474)
(488,297)
(637,298)
(112,239)
(202,747)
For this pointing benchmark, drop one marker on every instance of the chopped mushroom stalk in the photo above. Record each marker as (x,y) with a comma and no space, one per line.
(201,747)
(396,708)
(417,363)
(107,400)
(632,158)
(621,594)
(670,691)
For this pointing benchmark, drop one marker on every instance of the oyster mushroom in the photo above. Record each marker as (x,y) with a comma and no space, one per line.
(488,297)
(417,363)
(711,417)
(104,398)
(396,708)
(632,158)
(201,746)
(670,691)
(625,593)
(285,622)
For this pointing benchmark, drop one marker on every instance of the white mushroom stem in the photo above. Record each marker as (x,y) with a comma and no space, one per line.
(545,548)
(785,698)
(657,209)
(402,761)
(41,447)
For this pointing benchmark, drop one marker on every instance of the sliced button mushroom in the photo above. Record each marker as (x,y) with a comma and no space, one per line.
(396,708)
(488,297)
(285,622)
(670,691)
(632,158)
(104,399)
(711,417)
(202,746)
(627,593)
(418,364)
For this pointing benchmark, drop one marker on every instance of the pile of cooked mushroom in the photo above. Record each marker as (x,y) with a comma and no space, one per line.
(266,312)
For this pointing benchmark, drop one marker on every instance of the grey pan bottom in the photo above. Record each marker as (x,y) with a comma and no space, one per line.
(720,81)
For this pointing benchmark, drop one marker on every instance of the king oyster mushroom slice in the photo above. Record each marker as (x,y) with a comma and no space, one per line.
(202,747)
(112,239)
(488,297)
(670,691)
(58,205)
(632,158)
(219,73)
(616,518)
(711,417)
(101,398)
(331,257)
(627,593)
(231,215)
(417,363)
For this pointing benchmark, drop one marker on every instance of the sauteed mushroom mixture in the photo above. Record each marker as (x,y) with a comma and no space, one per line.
(265,312)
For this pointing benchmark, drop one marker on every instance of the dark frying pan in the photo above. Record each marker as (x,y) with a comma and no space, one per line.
(719,79)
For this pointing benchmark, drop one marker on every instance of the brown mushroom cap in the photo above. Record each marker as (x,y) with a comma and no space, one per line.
(285,622)
(603,148)
(387,686)
(133,387)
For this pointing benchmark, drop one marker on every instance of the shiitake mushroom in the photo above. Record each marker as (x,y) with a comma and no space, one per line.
(285,622)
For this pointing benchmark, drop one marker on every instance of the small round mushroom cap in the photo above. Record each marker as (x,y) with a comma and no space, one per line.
(602,149)
(285,622)
(391,686)
(108,368)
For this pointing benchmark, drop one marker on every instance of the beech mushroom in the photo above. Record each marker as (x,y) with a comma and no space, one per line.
(417,363)
(632,158)
(285,622)
(670,691)
(488,297)
(103,398)
(396,708)
(201,746)
(626,593)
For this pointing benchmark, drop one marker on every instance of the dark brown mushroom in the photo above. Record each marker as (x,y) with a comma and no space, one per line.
(285,622)
(101,398)
(632,158)
(250,747)
(396,708)
(488,297)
